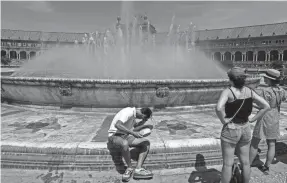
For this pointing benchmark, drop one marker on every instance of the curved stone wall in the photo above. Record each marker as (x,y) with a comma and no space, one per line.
(112,93)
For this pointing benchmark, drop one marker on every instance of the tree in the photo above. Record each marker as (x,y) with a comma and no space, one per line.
(5,60)
(277,65)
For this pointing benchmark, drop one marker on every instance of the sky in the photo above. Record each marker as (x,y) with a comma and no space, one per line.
(90,16)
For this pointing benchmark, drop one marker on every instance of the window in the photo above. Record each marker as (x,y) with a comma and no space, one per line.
(24,44)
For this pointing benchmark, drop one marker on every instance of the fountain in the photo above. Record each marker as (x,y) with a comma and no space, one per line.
(119,68)
(124,66)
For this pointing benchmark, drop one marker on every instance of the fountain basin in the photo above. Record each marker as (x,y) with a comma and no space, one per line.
(104,93)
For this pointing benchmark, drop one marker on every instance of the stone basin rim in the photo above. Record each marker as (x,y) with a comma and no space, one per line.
(211,143)
(118,81)
(109,111)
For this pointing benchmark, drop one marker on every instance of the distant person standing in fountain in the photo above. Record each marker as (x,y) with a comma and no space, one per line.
(268,126)
(233,109)
(123,137)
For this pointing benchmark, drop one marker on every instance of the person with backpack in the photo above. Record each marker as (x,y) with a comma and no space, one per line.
(267,127)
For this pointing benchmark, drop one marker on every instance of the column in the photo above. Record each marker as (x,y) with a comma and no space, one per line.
(281,57)
(18,56)
(268,56)
(243,57)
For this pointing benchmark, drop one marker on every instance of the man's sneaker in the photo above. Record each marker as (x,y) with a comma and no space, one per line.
(127,175)
(264,169)
(142,173)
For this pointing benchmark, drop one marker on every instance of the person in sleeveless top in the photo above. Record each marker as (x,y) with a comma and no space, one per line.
(268,126)
(233,109)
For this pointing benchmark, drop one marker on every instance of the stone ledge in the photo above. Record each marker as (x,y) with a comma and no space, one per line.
(96,156)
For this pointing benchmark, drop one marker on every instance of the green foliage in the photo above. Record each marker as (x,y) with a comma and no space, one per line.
(5,61)
(227,64)
(277,65)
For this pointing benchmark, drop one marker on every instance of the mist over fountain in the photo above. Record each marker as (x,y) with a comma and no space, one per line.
(122,67)
(128,51)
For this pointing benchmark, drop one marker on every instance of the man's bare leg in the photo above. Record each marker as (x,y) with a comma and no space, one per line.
(126,153)
(143,145)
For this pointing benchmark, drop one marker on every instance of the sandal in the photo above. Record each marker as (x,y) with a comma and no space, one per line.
(127,175)
(142,174)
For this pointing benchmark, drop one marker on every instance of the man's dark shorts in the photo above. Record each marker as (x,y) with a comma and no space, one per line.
(117,140)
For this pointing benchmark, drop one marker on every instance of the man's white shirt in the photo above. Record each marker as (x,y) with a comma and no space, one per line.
(127,116)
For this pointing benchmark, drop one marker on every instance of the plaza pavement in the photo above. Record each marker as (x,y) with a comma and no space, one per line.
(204,174)
(49,130)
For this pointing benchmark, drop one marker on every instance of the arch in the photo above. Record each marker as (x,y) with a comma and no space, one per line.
(13,54)
(249,56)
(23,55)
(227,56)
(217,56)
(285,55)
(261,56)
(274,55)
(3,53)
(32,54)
(238,56)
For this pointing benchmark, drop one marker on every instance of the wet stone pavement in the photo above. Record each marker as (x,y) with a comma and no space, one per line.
(20,124)
(32,125)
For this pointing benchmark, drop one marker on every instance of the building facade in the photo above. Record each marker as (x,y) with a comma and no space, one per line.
(250,46)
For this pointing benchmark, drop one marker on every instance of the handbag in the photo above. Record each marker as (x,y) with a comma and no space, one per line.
(236,176)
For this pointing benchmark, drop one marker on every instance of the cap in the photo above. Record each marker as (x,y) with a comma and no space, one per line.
(272,74)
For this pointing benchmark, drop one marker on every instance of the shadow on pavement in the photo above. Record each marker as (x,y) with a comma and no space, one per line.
(51,177)
(117,158)
(202,173)
(257,162)
(281,152)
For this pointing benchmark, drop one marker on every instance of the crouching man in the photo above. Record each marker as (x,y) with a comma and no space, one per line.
(122,137)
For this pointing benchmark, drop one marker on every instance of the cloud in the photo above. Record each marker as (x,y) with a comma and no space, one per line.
(39,6)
